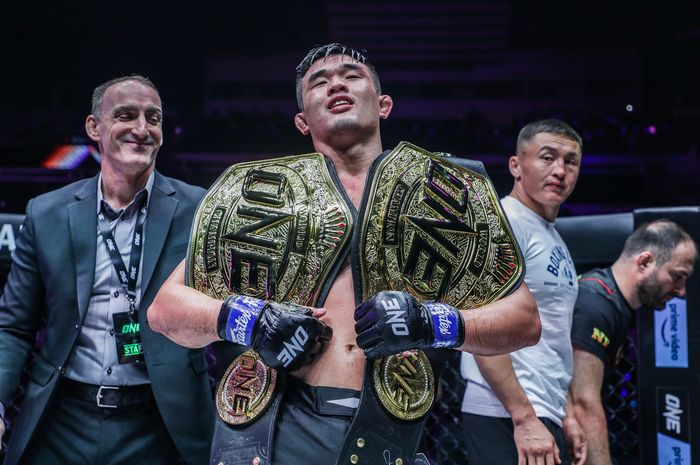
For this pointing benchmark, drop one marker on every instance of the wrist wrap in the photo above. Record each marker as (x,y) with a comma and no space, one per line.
(237,318)
(448,325)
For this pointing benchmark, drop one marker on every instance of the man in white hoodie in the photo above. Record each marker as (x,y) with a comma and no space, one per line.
(515,405)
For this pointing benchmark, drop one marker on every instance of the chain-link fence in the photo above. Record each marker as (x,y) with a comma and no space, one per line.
(443,439)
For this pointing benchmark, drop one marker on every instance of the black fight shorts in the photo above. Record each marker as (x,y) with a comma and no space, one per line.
(312,423)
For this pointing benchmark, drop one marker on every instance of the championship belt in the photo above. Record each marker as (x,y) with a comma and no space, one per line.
(270,229)
(437,231)
(274,230)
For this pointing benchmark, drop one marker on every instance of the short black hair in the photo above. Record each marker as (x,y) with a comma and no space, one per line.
(551,126)
(324,51)
(99,92)
(660,237)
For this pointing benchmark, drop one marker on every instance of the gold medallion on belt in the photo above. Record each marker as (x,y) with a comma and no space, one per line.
(404,384)
(245,390)
(436,230)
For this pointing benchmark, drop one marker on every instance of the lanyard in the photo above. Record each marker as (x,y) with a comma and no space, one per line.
(127,279)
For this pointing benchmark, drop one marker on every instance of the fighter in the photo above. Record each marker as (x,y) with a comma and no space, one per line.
(286,249)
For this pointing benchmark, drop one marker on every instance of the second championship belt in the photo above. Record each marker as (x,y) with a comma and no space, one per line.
(272,230)
(436,230)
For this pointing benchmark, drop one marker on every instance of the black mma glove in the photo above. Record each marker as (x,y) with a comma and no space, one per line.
(391,322)
(286,336)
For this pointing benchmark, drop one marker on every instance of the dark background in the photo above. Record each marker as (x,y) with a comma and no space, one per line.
(465,76)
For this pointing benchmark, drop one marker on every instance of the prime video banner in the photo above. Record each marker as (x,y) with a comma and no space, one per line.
(671,335)
(672,451)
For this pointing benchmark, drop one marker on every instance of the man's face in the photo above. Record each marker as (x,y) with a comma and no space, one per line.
(128,128)
(339,97)
(662,283)
(546,168)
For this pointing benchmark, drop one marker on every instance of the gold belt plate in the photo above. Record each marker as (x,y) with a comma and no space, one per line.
(404,385)
(436,230)
(245,390)
(270,229)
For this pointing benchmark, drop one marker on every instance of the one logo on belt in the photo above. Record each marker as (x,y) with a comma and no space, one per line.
(245,390)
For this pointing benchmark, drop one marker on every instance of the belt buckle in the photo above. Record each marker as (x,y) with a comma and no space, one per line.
(98,397)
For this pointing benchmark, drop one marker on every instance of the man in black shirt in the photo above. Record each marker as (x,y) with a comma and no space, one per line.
(654,266)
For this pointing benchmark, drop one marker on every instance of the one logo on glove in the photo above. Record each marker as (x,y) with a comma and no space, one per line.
(293,347)
(397,317)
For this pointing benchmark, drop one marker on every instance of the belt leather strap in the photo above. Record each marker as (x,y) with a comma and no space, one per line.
(378,437)
(233,445)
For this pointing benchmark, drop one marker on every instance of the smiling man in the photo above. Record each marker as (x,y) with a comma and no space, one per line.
(515,405)
(654,266)
(273,249)
(104,388)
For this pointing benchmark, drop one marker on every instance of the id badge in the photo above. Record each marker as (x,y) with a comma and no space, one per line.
(127,335)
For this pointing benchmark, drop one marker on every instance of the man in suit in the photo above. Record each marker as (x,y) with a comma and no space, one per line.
(104,388)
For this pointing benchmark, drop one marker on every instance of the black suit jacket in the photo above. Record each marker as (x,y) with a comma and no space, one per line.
(52,277)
